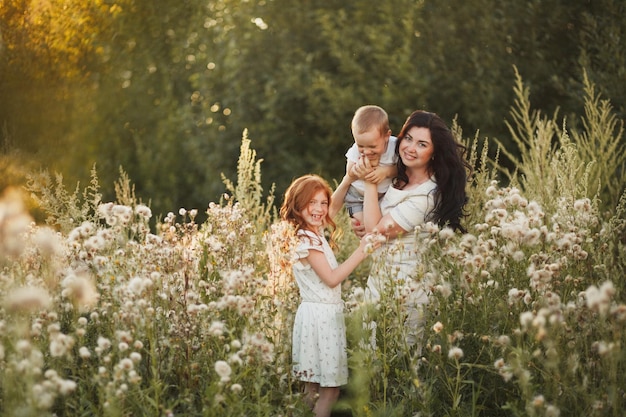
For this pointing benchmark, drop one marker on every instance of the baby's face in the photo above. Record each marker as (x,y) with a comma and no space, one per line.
(372,144)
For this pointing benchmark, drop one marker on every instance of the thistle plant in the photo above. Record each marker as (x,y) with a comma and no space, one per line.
(105,311)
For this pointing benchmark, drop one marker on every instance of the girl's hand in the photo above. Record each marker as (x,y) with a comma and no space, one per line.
(370,242)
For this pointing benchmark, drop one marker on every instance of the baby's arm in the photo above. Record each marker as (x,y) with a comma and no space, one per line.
(381,172)
(336,200)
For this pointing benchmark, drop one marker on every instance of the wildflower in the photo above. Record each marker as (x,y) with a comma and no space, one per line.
(518,256)
(619,312)
(136,285)
(84,352)
(236,388)
(235,359)
(446,233)
(552,411)
(504,340)
(602,347)
(80,290)
(104,343)
(526,318)
(44,399)
(143,211)
(23,346)
(27,299)
(455,353)
(534,208)
(66,386)
(126,364)
(582,205)
(374,240)
(492,190)
(94,244)
(539,401)
(599,299)
(217,328)
(223,370)
(506,375)
(47,241)
(444,289)
(60,345)
(134,377)
(86,229)
(123,213)
(437,327)
(135,357)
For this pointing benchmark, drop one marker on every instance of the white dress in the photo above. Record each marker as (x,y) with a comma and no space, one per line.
(399,258)
(396,261)
(319,332)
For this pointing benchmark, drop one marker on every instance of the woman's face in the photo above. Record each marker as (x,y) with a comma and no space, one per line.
(416,148)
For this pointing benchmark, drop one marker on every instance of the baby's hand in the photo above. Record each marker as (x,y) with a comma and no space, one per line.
(362,168)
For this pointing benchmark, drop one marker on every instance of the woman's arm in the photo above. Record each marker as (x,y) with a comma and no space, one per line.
(373,218)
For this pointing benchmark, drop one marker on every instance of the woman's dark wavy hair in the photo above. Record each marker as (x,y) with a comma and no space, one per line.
(448,165)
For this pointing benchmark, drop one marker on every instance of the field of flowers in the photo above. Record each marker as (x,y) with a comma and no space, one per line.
(106,311)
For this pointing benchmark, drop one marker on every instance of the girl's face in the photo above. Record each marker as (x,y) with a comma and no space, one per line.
(314,214)
(416,148)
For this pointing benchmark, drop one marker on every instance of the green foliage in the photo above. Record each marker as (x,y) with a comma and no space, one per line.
(63,209)
(602,144)
(165,89)
(526,312)
(248,191)
(550,163)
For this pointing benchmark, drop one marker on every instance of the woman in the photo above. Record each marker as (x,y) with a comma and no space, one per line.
(429,187)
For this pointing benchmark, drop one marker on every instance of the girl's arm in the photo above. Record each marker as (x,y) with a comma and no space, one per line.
(334,277)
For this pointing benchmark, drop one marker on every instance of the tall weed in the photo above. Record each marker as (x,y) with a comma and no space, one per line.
(102,314)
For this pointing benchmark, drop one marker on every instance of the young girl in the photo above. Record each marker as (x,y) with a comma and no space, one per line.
(319,334)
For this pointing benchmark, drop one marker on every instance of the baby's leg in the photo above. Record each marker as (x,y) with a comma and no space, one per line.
(359,216)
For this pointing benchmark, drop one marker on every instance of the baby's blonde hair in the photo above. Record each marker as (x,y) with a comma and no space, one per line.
(368,117)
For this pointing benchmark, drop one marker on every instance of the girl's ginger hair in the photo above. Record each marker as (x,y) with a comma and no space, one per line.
(297,198)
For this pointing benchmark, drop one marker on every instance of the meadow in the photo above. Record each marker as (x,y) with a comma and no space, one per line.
(107,311)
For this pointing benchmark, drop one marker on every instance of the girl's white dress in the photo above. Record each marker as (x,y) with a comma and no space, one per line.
(319,331)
